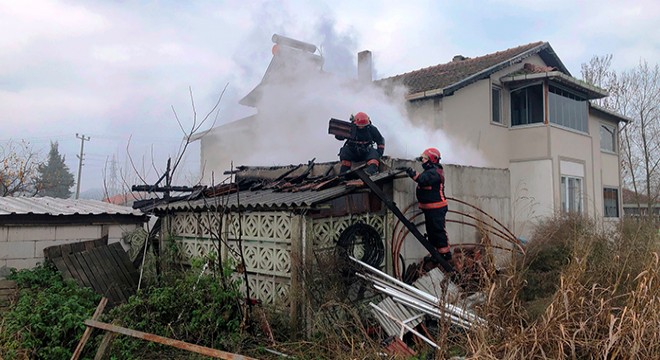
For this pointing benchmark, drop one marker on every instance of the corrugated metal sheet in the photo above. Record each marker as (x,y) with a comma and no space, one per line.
(273,198)
(398,311)
(56,207)
(262,199)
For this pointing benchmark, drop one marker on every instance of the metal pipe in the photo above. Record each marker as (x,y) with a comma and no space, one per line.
(279,39)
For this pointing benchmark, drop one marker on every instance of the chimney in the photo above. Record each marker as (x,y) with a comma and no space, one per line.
(365,66)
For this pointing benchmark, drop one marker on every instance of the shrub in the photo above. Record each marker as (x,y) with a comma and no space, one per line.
(191,307)
(47,320)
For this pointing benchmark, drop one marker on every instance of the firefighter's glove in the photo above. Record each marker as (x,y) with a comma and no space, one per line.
(411,172)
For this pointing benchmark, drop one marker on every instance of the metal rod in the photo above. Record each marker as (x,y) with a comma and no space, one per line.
(403,325)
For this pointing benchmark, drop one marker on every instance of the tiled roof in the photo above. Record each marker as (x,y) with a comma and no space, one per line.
(58,207)
(453,73)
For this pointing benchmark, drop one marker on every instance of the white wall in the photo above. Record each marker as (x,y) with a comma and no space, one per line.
(486,189)
(21,247)
(532,195)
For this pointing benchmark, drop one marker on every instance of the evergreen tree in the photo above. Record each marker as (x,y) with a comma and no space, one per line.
(54,178)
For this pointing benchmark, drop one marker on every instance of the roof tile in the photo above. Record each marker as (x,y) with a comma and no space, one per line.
(443,75)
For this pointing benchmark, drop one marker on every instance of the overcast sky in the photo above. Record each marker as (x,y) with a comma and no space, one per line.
(113,70)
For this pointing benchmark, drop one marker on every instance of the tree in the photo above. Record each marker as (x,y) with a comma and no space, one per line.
(18,168)
(634,93)
(54,178)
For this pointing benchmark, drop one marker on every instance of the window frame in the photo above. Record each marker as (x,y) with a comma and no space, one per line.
(565,193)
(541,84)
(616,199)
(500,101)
(575,96)
(614,136)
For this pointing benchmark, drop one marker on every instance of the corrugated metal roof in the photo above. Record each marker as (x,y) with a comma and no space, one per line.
(57,207)
(272,198)
(262,199)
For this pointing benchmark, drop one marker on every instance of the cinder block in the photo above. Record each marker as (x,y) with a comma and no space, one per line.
(17,250)
(78,232)
(4,233)
(24,263)
(117,231)
(39,246)
(23,233)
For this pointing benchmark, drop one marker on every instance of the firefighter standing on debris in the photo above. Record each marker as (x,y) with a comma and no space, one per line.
(360,148)
(432,201)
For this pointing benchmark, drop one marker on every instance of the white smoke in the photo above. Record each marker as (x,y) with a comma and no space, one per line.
(296,103)
(294,110)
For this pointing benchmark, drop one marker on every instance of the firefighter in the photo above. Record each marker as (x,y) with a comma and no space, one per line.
(361,148)
(432,201)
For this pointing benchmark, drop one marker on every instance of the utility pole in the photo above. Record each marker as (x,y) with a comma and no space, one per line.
(80,162)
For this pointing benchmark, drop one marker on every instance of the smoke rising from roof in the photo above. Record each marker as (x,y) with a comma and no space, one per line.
(296,100)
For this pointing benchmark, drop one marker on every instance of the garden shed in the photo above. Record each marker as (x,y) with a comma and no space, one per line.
(286,216)
(30,224)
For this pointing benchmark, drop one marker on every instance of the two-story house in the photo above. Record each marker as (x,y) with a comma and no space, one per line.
(525,112)
(522,109)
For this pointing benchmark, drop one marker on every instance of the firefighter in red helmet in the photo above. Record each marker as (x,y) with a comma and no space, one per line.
(432,201)
(361,147)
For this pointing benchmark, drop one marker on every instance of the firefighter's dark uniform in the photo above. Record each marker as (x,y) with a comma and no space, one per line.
(361,149)
(433,203)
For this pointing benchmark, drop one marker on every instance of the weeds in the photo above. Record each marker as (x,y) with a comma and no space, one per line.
(47,320)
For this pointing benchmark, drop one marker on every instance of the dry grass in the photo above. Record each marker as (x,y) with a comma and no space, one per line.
(604,304)
(579,293)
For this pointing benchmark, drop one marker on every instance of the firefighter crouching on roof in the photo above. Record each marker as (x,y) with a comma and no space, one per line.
(432,201)
(361,147)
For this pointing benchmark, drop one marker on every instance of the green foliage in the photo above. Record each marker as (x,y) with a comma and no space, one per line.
(47,320)
(195,308)
(54,178)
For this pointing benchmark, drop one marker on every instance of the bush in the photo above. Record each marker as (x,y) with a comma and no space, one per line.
(47,320)
(189,307)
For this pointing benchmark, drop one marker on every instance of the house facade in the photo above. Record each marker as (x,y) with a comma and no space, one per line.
(522,109)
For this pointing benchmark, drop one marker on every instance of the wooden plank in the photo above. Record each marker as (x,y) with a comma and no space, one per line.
(52,252)
(72,268)
(95,269)
(88,330)
(7,292)
(131,270)
(87,266)
(7,284)
(105,343)
(125,264)
(122,272)
(167,341)
(124,281)
(108,272)
(61,266)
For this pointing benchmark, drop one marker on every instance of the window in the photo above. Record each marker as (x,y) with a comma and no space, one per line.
(611,202)
(607,138)
(527,105)
(567,108)
(496,99)
(571,194)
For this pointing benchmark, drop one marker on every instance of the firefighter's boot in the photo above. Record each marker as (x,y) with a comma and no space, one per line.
(371,169)
(343,169)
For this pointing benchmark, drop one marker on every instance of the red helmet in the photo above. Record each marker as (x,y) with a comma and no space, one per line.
(361,119)
(433,154)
